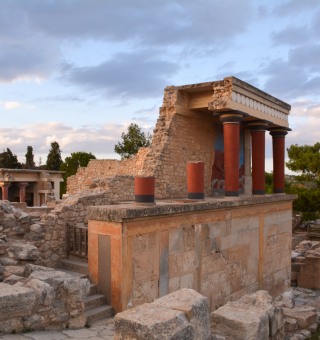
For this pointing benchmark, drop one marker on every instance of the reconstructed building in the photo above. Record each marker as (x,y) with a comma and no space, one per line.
(30,186)
(234,241)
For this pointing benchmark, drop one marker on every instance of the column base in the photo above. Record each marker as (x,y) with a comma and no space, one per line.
(258,192)
(144,198)
(196,195)
(231,193)
(278,191)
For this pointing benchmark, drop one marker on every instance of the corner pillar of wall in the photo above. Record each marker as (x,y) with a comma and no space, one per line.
(278,149)
(231,136)
(5,190)
(22,187)
(258,131)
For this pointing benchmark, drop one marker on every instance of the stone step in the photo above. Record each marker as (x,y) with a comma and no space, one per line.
(74,265)
(94,300)
(93,289)
(98,313)
(74,274)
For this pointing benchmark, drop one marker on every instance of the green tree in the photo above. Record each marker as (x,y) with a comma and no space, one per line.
(9,160)
(71,165)
(305,160)
(132,141)
(30,164)
(54,157)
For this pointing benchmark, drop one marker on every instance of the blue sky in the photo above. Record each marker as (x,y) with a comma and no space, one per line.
(80,71)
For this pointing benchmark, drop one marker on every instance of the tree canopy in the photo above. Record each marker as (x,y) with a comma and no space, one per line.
(132,141)
(9,160)
(305,160)
(54,157)
(72,163)
(30,164)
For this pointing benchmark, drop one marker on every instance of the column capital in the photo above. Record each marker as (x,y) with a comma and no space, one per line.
(232,117)
(279,131)
(23,184)
(5,184)
(258,125)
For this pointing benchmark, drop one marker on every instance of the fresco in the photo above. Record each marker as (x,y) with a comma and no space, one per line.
(217,174)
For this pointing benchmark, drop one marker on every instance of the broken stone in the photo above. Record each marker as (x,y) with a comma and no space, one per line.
(12,279)
(247,318)
(152,322)
(286,299)
(23,251)
(194,305)
(43,291)
(304,315)
(290,324)
(15,301)
(5,261)
(30,268)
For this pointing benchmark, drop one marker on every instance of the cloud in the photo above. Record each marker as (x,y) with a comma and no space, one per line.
(137,75)
(292,7)
(291,35)
(98,139)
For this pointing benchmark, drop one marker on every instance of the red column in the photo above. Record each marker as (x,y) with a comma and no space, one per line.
(22,187)
(195,176)
(231,136)
(5,190)
(258,131)
(144,188)
(278,148)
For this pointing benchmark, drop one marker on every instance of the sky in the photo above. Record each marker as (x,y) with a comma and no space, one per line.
(80,71)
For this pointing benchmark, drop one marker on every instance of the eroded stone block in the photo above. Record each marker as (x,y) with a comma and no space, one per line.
(152,322)
(194,305)
(15,301)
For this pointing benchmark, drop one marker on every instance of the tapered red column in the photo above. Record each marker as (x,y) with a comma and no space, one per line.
(278,148)
(231,137)
(258,132)
(5,190)
(195,176)
(22,187)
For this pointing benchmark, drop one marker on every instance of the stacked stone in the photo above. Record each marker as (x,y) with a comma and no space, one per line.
(37,297)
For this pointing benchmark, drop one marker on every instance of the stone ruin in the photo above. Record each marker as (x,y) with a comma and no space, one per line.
(193,122)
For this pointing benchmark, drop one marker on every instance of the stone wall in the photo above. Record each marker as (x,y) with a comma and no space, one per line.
(179,136)
(221,248)
(41,298)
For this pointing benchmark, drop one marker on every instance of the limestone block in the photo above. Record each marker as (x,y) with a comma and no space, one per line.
(24,218)
(44,292)
(290,324)
(6,261)
(35,321)
(286,299)
(15,301)
(304,315)
(9,221)
(194,305)
(247,318)
(23,251)
(11,325)
(13,270)
(12,279)
(152,322)
(36,228)
(76,289)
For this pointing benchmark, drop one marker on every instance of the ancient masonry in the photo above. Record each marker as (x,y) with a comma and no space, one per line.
(235,241)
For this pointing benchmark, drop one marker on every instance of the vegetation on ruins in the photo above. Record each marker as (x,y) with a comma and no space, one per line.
(54,159)
(305,160)
(132,141)
(30,164)
(9,160)
(71,165)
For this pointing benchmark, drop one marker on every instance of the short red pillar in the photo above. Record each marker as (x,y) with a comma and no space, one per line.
(144,189)
(195,180)
(258,131)
(231,137)
(278,148)
(22,187)
(5,190)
